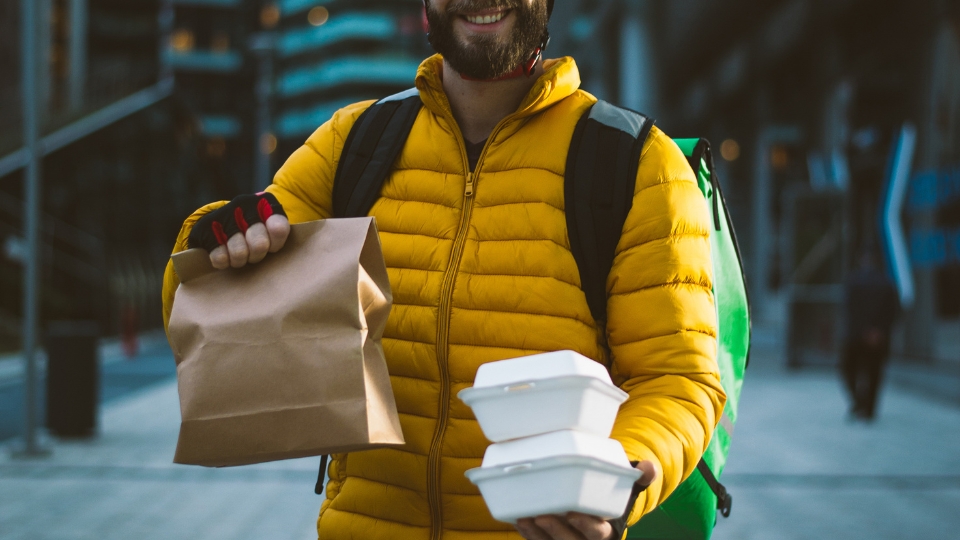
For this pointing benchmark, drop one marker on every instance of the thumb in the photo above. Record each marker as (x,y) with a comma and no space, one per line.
(649,471)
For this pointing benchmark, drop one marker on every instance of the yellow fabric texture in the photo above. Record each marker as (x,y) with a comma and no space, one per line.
(491,276)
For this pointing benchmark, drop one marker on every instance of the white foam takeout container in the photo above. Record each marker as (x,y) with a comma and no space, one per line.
(543,393)
(555,473)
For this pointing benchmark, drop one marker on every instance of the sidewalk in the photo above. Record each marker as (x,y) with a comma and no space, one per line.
(800,469)
(123,485)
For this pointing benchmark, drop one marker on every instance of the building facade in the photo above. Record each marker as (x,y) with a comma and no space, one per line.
(809,103)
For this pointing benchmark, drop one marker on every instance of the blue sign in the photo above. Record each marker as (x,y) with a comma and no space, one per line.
(930,190)
(898,256)
(935,247)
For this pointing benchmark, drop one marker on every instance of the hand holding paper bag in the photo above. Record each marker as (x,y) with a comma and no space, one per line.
(283,359)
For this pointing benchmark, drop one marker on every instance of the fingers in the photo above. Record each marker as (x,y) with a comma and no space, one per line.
(591,527)
(278,229)
(573,526)
(530,531)
(237,248)
(219,258)
(558,529)
(254,245)
(258,242)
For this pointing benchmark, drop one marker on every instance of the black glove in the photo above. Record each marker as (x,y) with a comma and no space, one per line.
(214,229)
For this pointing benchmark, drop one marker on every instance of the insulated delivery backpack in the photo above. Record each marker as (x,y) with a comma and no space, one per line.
(599,185)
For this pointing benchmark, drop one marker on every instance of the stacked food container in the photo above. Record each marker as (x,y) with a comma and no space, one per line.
(549,417)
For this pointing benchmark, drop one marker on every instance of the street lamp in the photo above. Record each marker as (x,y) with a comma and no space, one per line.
(31,263)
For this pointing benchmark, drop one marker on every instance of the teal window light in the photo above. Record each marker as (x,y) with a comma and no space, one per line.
(348,70)
(198,60)
(370,26)
(303,122)
(224,126)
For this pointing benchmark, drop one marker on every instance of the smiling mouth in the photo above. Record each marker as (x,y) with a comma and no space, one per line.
(489,18)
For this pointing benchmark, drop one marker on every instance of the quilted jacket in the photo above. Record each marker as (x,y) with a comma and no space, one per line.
(481,270)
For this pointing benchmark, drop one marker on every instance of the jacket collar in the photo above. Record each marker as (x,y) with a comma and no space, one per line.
(560,80)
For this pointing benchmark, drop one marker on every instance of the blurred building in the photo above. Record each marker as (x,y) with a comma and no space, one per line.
(118,168)
(329,54)
(208,54)
(261,76)
(806,102)
(128,155)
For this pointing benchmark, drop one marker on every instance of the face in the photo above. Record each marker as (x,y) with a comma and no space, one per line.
(486,39)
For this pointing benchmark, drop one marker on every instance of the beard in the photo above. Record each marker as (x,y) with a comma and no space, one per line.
(488,56)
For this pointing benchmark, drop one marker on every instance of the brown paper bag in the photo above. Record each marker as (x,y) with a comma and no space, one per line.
(282,359)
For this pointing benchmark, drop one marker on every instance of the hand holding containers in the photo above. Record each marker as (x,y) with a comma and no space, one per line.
(550,416)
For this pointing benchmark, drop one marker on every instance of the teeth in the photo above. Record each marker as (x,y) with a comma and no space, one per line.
(485,19)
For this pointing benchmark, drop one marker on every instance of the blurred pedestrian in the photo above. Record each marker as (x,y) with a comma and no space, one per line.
(871,307)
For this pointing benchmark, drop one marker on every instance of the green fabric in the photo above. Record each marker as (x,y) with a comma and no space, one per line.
(690,513)
(687,146)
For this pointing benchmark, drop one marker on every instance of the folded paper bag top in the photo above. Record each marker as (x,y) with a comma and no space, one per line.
(282,359)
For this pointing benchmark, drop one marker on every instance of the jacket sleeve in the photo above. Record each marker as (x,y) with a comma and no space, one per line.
(662,323)
(303,186)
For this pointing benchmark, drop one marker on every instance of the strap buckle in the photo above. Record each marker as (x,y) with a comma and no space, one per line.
(724,501)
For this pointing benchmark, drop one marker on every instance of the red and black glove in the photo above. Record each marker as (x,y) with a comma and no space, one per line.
(214,229)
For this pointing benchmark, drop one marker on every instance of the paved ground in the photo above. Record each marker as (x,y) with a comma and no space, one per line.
(799,470)
(123,485)
(119,376)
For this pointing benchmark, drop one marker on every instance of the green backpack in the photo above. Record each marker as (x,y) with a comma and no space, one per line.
(690,512)
(600,178)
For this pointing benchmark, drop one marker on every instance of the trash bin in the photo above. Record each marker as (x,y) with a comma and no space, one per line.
(73,378)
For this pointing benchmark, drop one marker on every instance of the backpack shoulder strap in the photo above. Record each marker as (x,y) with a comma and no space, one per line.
(372,147)
(601,175)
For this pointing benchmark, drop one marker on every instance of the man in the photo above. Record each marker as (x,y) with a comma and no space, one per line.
(474,236)
(871,306)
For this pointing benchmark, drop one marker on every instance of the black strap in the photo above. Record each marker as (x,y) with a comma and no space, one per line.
(600,179)
(371,149)
(318,489)
(724,499)
(620,524)
(703,154)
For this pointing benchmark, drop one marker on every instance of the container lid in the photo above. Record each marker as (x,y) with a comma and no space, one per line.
(574,383)
(480,474)
(537,367)
(555,444)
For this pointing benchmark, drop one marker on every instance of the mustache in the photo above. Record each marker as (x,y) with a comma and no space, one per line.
(472,6)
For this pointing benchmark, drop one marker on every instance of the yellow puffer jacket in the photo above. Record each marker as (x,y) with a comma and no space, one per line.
(489,276)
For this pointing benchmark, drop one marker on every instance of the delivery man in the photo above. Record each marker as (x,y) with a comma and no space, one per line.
(474,236)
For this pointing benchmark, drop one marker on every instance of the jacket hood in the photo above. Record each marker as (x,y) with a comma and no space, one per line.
(560,80)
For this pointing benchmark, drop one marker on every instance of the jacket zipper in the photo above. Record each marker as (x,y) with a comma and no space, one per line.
(443,332)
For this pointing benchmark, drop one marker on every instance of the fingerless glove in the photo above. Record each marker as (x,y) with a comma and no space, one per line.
(214,229)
